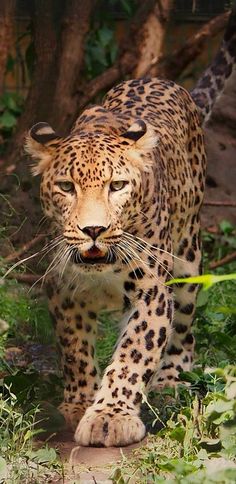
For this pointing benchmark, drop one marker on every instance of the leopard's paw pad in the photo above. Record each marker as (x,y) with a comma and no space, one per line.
(109,429)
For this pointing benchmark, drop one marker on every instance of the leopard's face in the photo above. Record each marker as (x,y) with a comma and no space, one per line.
(92,190)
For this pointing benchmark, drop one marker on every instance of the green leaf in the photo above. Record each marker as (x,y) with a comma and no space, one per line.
(3,469)
(207,280)
(126,6)
(219,406)
(46,455)
(202,298)
(105,36)
(10,63)
(7,120)
(226,227)
(178,434)
(11,103)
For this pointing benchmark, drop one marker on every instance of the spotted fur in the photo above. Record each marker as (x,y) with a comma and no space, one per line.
(123,192)
(213,81)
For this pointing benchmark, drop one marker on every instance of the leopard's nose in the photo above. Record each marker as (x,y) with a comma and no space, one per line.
(93,231)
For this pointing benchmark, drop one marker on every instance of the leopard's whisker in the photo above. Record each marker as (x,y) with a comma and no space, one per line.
(66,257)
(131,262)
(145,250)
(49,269)
(146,265)
(153,247)
(143,263)
(150,255)
(134,264)
(21,261)
(51,245)
(124,257)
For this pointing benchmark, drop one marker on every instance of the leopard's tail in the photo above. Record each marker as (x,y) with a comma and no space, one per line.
(212,83)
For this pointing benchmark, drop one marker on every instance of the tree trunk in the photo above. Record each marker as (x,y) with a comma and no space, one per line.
(150,37)
(74,29)
(7,9)
(44,76)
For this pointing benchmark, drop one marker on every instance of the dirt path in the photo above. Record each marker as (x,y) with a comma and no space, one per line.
(85,465)
(221,150)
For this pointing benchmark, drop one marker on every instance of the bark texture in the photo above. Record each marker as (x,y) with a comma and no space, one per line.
(75,26)
(43,81)
(170,67)
(150,37)
(7,10)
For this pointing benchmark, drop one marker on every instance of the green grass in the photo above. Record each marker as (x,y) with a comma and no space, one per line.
(26,315)
(20,460)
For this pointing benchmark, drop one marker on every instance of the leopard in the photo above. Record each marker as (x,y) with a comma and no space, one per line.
(123,192)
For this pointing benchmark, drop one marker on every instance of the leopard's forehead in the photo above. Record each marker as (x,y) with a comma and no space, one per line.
(89,157)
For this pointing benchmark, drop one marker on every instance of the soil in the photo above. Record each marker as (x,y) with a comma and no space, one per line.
(221,150)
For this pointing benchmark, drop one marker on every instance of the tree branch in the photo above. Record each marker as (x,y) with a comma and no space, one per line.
(28,245)
(27,278)
(170,67)
(225,260)
(219,203)
(149,38)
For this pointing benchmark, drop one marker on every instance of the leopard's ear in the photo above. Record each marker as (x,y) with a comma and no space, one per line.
(144,140)
(40,143)
(136,130)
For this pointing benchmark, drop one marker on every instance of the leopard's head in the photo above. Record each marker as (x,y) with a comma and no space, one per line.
(92,188)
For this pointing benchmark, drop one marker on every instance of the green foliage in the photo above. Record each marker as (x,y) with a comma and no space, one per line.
(215,318)
(101,48)
(107,338)
(197,442)
(11,105)
(19,461)
(26,316)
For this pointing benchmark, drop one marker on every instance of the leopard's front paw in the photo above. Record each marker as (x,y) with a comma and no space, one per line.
(72,413)
(104,427)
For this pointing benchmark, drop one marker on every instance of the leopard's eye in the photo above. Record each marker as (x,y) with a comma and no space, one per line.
(66,186)
(117,185)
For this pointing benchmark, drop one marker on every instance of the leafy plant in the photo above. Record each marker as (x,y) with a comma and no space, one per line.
(11,105)
(101,50)
(20,461)
(102,47)
(20,310)
(197,437)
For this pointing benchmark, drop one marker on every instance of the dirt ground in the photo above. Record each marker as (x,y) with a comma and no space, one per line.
(89,465)
(221,150)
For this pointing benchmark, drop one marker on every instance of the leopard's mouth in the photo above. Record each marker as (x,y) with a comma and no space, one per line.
(93,256)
